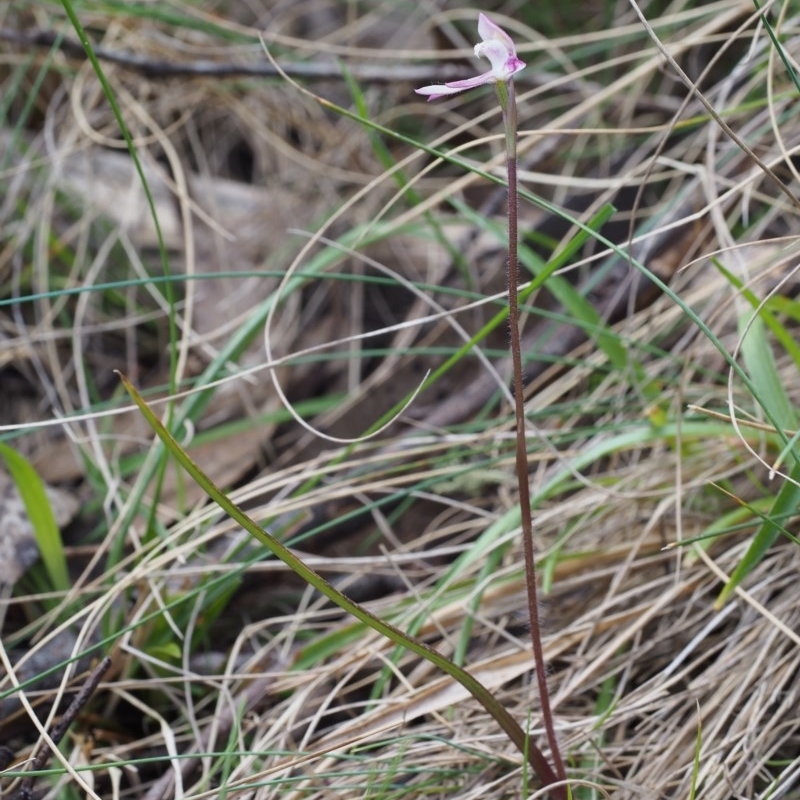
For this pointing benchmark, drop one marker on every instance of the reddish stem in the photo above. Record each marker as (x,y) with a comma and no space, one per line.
(509,106)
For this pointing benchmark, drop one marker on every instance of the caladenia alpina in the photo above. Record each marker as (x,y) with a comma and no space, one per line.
(498,47)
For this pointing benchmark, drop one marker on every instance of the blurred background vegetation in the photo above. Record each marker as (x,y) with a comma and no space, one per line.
(659,170)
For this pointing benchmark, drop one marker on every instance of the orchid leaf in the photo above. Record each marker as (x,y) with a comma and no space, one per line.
(511,727)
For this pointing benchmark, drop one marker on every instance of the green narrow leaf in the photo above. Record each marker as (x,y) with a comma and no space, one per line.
(784,507)
(778,46)
(509,725)
(768,390)
(40,513)
(757,355)
(760,365)
(110,96)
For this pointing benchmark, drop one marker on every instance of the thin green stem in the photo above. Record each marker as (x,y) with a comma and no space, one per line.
(508,104)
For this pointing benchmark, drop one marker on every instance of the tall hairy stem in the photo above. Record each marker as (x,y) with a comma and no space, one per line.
(508,104)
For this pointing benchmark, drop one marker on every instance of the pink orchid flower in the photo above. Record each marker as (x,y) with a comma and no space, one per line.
(497,46)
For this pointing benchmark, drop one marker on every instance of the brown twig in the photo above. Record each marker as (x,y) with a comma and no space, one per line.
(42,756)
(155,68)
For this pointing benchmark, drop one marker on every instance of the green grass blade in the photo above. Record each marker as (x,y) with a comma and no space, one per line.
(126,135)
(780,304)
(785,506)
(40,513)
(760,364)
(790,70)
(769,391)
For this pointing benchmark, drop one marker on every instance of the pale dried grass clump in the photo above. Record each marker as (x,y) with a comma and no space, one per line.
(688,680)
(625,619)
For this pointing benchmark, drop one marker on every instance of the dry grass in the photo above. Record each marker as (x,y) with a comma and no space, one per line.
(229,677)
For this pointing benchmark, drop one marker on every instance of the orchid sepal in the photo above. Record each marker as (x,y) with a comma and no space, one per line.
(438,90)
